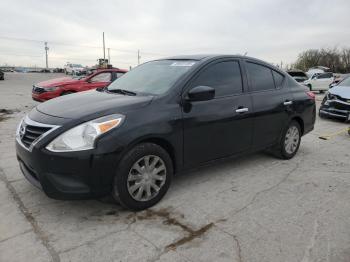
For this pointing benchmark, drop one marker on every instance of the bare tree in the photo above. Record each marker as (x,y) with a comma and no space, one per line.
(337,60)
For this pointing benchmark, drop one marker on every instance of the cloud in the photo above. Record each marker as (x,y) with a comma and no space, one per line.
(271,30)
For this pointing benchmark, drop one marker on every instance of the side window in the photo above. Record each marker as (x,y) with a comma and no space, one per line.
(224,77)
(326,75)
(260,77)
(278,79)
(103,77)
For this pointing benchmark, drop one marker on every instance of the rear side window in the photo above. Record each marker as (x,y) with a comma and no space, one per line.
(326,75)
(278,78)
(224,77)
(260,77)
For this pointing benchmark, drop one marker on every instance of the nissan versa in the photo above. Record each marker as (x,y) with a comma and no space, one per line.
(160,118)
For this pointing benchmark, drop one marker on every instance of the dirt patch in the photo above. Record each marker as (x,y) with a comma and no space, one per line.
(169,219)
(3,118)
(191,235)
(4,113)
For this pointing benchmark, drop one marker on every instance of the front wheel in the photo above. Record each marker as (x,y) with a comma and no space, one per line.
(143,177)
(290,141)
(66,93)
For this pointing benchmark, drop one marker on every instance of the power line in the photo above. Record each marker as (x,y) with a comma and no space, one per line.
(79,45)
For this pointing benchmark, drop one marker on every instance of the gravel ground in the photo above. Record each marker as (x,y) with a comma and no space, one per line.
(254,208)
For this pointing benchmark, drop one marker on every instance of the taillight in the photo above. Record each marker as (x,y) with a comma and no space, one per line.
(311,95)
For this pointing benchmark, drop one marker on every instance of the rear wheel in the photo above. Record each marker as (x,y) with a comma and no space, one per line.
(143,177)
(290,141)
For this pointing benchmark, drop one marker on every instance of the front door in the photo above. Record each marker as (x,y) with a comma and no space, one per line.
(322,82)
(101,79)
(222,126)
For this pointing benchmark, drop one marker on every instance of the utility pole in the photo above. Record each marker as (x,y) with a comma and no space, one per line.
(109,57)
(138,57)
(46,49)
(104,48)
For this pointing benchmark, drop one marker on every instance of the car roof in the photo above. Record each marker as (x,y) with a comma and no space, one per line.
(207,57)
(112,70)
(199,57)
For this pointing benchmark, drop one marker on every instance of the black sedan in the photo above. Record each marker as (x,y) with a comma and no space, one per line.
(162,117)
(336,103)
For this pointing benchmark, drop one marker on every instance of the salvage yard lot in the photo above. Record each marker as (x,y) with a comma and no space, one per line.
(253,208)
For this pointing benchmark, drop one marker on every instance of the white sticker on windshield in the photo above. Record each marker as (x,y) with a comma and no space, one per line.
(183,63)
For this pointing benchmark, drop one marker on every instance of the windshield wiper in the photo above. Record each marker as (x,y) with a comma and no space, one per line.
(122,91)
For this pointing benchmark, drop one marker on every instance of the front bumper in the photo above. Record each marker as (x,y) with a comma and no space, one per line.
(41,97)
(335,108)
(68,176)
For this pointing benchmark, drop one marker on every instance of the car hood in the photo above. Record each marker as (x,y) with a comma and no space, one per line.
(91,103)
(342,91)
(57,82)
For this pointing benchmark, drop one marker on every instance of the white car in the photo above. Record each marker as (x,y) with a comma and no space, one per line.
(74,69)
(319,82)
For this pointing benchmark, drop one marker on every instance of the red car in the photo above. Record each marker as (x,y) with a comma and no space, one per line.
(62,86)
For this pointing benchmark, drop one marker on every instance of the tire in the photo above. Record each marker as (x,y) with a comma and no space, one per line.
(282,149)
(129,182)
(67,93)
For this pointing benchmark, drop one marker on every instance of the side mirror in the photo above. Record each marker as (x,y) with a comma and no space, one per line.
(201,93)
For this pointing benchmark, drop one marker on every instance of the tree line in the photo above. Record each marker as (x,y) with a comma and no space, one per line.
(338,60)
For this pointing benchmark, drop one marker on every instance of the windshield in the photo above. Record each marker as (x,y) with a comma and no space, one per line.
(76,65)
(154,78)
(345,82)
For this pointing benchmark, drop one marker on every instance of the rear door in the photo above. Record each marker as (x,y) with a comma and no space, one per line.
(222,126)
(272,103)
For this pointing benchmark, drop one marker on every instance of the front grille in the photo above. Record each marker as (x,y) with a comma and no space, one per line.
(30,132)
(38,90)
(346,100)
(340,106)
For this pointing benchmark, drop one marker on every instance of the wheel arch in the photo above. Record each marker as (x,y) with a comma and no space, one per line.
(164,143)
(300,121)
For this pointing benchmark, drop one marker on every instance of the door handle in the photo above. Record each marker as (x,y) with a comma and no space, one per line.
(242,110)
(287,103)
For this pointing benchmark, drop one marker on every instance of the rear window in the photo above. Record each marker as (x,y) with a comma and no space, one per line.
(260,77)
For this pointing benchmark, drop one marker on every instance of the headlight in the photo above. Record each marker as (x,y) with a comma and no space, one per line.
(82,137)
(53,88)
(331,96)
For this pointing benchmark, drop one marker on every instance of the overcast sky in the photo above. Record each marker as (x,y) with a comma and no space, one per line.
(270,29)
